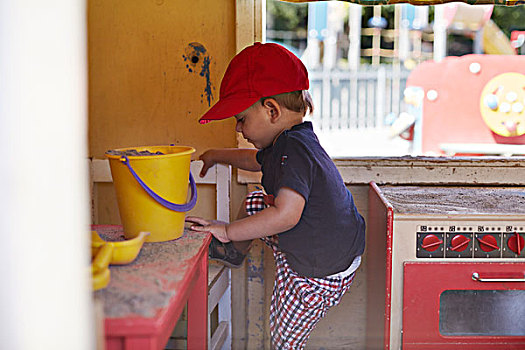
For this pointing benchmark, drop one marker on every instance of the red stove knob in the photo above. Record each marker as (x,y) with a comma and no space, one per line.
(488,243)
(459,243)
(516,243)
(431,243)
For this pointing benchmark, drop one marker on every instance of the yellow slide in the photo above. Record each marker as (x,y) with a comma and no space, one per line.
(495,42)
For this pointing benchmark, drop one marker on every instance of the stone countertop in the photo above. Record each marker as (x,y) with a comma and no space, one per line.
(146,286)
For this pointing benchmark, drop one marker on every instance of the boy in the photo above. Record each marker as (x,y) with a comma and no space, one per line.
(308,217)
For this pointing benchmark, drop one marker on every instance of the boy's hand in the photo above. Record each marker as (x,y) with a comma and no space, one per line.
(216,228)
(208,160)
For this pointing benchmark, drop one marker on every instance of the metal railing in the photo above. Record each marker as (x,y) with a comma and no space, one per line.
(359,99)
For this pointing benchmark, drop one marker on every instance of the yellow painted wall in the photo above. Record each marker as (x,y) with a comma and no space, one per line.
(154,68)
(141,89)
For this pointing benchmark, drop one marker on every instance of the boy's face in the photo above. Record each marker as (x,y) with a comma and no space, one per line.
(255,124)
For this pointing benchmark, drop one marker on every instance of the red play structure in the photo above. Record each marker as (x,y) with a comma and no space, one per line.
(474,104)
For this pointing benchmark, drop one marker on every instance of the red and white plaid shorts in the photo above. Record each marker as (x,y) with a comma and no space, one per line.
(298,302)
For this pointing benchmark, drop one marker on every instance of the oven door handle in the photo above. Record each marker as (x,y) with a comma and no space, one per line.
(475,277)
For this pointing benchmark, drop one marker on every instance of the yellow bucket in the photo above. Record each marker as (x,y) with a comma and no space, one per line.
(151,183)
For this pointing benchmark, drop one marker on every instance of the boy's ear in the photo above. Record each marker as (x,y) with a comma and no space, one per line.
(273,108)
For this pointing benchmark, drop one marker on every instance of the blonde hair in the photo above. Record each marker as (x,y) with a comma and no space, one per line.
(297,101)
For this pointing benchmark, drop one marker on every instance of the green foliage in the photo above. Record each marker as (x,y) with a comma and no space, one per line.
(293,17)
(286,16)
(509,18)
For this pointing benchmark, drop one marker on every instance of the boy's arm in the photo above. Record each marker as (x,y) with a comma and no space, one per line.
(282,216)
(242,158)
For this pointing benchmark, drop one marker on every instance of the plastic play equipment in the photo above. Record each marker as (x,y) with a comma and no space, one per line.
(472,19)
(495,42)
(517,40)
(465,17)
(472,104)
(502,103)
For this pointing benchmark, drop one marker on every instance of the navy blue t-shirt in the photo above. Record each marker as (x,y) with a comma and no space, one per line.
(330,232)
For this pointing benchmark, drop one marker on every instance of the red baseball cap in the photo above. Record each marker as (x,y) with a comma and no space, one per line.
(258,71)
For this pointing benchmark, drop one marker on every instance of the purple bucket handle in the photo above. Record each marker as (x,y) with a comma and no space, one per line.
(173,206)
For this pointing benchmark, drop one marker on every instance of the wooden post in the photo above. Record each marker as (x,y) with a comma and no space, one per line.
(376,40)
(198,310)
(250,27)
(440,33)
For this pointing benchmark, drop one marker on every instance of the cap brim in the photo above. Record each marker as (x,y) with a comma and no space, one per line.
(227,107)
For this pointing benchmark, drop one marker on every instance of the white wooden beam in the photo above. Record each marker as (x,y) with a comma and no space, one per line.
(46,295)
(249,22)
(438,170)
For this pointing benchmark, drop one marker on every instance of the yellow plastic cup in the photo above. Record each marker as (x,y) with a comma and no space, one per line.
(166,175)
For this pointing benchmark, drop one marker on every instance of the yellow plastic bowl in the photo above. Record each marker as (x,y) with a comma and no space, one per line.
(101,279)
(100,267)
(102,258)
(123,252)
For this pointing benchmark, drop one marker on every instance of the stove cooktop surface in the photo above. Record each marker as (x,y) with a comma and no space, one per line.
(455,200)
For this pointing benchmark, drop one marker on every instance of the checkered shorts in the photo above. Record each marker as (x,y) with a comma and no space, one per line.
(298,302)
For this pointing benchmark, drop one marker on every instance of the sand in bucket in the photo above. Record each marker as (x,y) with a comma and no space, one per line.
(151,183)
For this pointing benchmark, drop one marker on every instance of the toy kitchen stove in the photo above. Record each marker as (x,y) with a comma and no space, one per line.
(446,267)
